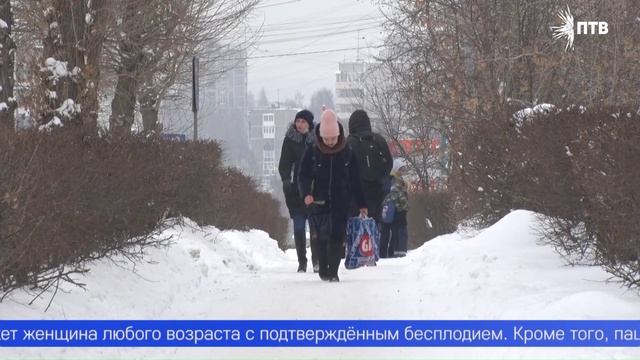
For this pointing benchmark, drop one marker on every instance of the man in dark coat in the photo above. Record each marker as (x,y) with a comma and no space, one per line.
(361,139)
(298,136)
(329,182)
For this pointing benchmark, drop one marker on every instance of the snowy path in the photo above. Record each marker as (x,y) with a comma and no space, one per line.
(501,273)
(279,289)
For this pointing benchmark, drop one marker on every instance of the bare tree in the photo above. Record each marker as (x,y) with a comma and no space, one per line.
(217,38)
(262,98)
(251,100)
(296,102)
(467,60)
(7,60)
(135,20)
(319,98)
(411,133)
(77,41)
(155,46)
(461,63)
(66,73)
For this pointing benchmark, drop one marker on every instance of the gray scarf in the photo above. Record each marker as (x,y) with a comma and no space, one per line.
(297,137)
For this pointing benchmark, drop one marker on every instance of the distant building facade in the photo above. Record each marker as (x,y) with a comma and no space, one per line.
(267,127)
(223,111)
(224,114)
(349,92)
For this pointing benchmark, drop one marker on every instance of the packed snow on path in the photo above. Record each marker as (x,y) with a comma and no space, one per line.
(502,272)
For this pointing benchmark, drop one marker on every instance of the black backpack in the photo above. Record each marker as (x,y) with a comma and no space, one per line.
(369,151)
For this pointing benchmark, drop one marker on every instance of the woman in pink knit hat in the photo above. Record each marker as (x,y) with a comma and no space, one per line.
(329,180)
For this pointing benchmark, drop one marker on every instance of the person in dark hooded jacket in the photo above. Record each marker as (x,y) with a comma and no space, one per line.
(299,135)
(372,153)
(329,180)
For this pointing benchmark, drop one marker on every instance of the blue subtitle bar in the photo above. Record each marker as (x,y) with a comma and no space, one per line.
(322,333)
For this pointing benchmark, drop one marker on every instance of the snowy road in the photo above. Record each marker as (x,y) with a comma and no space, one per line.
(501,273)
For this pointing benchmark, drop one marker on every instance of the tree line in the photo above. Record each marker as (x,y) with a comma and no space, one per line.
(527,123)
(68,56)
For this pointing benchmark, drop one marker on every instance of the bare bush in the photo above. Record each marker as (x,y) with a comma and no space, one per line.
(66,200)
(575,166)
(606,157)
(66,203)
(430,215)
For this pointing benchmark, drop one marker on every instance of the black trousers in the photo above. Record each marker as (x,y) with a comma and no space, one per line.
(386,246)
(374,196)
(300,237)
(331,232)
(393,237)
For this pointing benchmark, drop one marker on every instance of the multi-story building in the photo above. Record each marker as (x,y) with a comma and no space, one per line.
(267,127)
(223,116)
(349,89)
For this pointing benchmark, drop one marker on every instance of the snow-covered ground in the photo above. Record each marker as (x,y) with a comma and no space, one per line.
(502,272)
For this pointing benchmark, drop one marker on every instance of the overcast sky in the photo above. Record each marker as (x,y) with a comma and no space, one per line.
(304,26)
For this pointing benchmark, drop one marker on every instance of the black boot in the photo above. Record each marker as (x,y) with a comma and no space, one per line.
(321,229)
(323,261)
(323,268)
(300,239)
(335,251)
(314,251)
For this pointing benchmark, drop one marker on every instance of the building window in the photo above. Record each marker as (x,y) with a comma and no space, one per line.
(268,160)
(350,93)
(346,108)
(268,126)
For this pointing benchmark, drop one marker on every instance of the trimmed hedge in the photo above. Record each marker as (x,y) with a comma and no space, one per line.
(66,199)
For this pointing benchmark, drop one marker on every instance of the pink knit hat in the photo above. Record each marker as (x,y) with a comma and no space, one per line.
(329,124)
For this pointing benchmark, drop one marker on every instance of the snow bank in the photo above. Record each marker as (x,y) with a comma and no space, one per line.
(505,272)
(502,272)
(166,284)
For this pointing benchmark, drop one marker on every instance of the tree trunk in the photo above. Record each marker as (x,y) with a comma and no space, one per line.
(7,61)
(75,37)
(72,26)
(94,39)
(124,100)
(149,106)
(51,49)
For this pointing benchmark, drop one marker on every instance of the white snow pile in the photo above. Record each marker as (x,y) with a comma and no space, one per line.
(57,69)
(54,122)
(66,111)
(527,115)
(68,108)
(167,284)
(502,272)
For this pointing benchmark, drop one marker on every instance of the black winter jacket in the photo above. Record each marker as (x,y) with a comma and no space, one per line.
(292,150)
(331,176)
(355,137)
(373,190)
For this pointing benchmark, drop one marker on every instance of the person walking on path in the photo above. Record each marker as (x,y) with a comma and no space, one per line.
(329,182)
(299,135)
(394,235)
(374,160)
